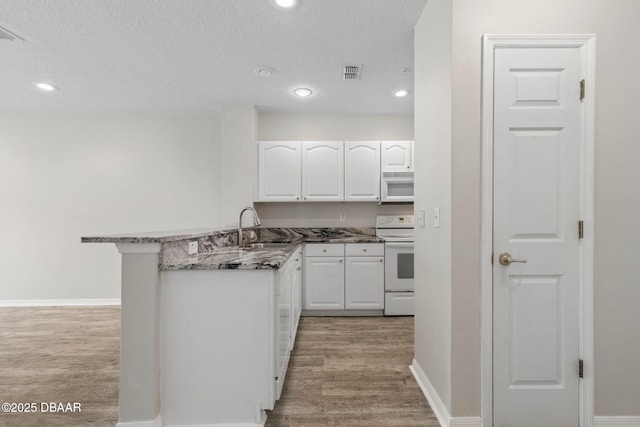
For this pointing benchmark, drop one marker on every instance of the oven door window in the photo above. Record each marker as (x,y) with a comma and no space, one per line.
(405,266)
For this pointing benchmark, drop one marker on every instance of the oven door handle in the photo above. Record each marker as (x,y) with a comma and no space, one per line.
(400,245)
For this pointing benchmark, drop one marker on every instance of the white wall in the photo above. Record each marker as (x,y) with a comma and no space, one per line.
(346,127)
(617,294)
(67,176)
(236,161)
(63,177)
(339,127)
(433,189)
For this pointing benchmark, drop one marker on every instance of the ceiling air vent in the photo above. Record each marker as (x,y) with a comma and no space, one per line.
(351,72)
(8,35)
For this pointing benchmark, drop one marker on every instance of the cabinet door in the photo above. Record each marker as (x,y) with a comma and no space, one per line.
(324,283)
(364,283)
(296,295)
(279,176)
(362,171)
(397,156)
(282,320)
(322,171)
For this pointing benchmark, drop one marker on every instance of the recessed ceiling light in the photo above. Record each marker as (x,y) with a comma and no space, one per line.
(303,92)
(45,86)
(285,4)
(401,93)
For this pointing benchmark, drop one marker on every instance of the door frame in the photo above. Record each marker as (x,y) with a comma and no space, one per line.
(586,44)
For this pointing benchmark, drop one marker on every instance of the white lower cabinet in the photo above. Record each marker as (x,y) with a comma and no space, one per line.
(283,323)
(364,283)
(335,282)
(324,283)
(296,293)
(287,315)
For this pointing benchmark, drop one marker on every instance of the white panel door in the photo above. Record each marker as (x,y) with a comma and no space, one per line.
(279,178)
(323,171)
(364,283)
(537,126)
(324,283)
(397,156)
(362,171)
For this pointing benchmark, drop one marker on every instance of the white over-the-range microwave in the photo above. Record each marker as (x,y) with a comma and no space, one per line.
(396,187)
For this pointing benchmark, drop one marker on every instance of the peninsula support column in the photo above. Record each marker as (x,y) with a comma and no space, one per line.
(140,333)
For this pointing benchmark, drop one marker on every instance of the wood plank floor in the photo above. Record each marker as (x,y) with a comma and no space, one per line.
(352,371)
(343,371)
(60,354)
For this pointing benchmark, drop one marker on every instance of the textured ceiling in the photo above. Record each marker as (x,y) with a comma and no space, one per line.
(195,55)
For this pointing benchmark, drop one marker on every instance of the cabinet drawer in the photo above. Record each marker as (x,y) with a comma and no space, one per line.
(364,249)
(399,304)
(324,249)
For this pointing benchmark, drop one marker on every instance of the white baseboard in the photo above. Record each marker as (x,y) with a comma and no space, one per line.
(616,421)
(58,302)
(466,421)
(437,405)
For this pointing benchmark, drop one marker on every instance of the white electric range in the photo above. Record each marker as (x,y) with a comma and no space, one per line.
(397,232)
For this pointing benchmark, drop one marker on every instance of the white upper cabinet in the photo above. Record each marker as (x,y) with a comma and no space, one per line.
(397,156)
(362,171)
(279,171)
(322,171)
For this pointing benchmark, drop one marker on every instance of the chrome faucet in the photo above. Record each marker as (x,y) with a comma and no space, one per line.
(256,222)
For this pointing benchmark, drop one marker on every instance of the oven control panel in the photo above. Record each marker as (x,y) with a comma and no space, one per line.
(394,221)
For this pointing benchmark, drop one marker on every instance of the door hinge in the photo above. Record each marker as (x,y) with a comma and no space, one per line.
(580,368)
(580,229)
(582,89)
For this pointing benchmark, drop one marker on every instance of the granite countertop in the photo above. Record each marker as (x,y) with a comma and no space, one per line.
(218,247)
(155,236)
(233,258)
(279,245)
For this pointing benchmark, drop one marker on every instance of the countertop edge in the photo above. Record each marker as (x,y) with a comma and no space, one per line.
(170,236)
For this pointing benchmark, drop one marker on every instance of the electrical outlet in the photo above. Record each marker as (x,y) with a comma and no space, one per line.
(343,217)
(193,247)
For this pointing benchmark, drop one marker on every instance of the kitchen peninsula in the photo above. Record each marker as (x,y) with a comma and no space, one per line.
(206,336)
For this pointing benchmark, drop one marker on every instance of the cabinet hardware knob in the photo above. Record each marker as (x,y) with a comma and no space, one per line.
(324,250)
(340,260)
(365,250)
(381,260)
(297,198)
(299,268)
